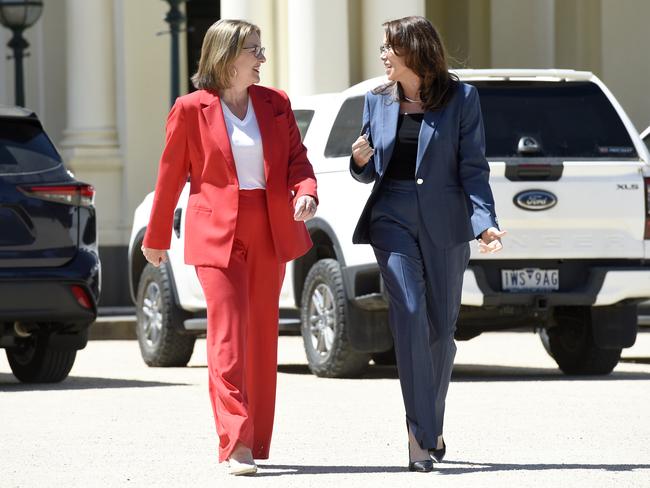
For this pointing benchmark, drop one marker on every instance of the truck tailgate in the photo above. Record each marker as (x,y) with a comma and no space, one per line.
(599,212)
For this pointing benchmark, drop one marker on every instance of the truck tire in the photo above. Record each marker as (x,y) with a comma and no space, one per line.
(33,360)
(323,314)
(159,321)
(572,346)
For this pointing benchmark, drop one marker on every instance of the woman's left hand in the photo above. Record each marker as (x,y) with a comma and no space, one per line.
(490,241)
(305,208)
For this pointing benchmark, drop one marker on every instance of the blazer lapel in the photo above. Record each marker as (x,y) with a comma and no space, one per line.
(265,121)
(214,115)
(427,129)
(389,115)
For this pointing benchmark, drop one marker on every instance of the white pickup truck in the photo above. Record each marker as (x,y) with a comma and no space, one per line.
(570,177)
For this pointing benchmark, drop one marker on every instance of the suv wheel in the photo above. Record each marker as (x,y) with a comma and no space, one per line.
(572,346)
(34,361)
(323,314)
(158,321)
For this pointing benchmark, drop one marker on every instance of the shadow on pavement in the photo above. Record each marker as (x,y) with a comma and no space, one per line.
(492,467)
(636,360)
(443,469)
(9,383)
(293,369)
(484,372)
(459,467)
(373,372)
(474,372)
(288,469)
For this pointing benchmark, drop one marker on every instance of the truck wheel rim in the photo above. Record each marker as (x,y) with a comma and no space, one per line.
(322,319)
(152,314)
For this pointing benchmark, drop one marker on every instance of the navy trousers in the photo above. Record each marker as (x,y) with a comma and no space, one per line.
(424,286)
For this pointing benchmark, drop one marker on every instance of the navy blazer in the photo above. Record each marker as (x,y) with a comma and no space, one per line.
(451,172)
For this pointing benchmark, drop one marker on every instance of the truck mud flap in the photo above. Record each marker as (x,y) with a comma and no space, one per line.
(368,330)
(614,327)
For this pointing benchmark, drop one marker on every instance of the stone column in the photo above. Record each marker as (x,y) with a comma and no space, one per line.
(318,46)
(373,14)
(90,145)
(523,33)
(260,13)
(578,35)
(464,26)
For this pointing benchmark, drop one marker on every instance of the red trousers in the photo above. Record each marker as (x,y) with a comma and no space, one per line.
(242,336)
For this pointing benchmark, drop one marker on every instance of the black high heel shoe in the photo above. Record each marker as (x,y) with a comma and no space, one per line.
(424,466)
(438,454)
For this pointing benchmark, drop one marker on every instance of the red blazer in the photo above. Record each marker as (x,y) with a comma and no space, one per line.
(197,145)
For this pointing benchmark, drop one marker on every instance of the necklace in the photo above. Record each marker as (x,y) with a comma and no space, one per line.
(411,100)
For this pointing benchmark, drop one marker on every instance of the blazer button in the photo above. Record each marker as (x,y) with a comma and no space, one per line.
(419,181)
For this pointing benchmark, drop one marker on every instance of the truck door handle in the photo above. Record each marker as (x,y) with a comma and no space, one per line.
(177,221)
(524,171)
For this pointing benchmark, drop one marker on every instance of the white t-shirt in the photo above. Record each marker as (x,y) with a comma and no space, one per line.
(246,145)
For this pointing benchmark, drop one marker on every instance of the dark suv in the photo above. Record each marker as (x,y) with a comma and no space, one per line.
(49,264)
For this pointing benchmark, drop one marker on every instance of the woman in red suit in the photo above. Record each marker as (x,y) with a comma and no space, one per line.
(251,189)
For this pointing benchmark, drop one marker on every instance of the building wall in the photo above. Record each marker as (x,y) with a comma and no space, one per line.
(578,35)
(625,59)
(143,95)
(44,68)
(465,29)
(522,33)
(313,46)
(45,57)
(142,74)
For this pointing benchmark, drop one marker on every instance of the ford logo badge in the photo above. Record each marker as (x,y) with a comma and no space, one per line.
(535,200)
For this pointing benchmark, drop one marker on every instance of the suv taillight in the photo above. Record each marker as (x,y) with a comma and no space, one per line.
(646,234)
(82,195)
(82,296)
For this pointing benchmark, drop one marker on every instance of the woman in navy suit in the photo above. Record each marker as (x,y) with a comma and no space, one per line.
(422,145)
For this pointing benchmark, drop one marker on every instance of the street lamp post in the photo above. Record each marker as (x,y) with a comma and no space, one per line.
(18,15)
(175,18)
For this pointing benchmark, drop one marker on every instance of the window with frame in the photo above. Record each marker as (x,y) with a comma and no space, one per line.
(345,129)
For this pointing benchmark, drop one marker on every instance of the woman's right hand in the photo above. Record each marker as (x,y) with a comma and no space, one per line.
(154,256)
(362,151)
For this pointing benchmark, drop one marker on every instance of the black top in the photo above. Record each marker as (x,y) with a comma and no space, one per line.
(405,151)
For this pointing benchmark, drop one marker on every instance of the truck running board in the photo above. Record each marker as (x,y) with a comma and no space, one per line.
(201,324)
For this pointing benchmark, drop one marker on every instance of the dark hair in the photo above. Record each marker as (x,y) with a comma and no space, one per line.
(418,41)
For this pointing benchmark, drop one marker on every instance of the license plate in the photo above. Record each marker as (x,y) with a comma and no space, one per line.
(530,279)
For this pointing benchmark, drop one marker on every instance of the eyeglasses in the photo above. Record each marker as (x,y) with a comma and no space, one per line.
(384,48)
(257,51)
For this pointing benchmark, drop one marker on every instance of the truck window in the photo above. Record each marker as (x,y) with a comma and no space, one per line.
(345,129)
(303,119)
(565,119)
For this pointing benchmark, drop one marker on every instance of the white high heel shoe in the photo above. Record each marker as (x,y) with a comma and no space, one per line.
(238,468)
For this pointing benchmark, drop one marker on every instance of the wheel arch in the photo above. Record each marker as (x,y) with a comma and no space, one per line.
(137,263)
(326,246)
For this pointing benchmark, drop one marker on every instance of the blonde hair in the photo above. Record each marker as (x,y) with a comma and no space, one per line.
(222,44)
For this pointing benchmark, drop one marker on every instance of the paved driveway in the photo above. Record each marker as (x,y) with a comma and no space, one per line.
(512,420)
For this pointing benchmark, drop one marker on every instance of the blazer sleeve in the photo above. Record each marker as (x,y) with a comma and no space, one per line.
(367,173)
(172,174)
(301,177)
(474,169)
